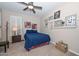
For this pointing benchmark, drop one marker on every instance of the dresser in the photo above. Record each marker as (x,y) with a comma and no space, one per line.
(16,38)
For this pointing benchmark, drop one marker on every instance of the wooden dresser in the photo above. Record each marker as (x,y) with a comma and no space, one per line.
(16,38)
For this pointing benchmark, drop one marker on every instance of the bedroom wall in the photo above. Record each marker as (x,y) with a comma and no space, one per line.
(70,36)
(6,16)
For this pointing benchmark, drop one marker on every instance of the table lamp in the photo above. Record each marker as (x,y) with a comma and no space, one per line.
(15,30)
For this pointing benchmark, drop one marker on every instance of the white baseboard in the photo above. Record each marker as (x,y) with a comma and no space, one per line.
(68,49)
(73,52)
(52,42)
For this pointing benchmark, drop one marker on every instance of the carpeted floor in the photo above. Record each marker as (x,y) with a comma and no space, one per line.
(17,49)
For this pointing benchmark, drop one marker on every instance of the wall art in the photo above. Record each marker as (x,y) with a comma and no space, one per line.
(70,21)
(57,14)
(51,18)
(59,23)
(27,24)
(46,22)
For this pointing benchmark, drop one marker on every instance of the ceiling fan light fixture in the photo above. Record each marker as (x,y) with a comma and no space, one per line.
(30,7)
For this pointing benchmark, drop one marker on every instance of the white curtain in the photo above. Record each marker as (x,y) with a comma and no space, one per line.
(18,22)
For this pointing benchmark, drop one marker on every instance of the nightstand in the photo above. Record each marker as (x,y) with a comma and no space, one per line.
(16,38)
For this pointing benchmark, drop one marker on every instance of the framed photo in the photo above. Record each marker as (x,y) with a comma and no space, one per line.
(70,21)
(59,23)
(51,18)
(57,15)
(27,24)
(46,22)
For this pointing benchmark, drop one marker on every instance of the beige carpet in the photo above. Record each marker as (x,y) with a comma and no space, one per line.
(17,49)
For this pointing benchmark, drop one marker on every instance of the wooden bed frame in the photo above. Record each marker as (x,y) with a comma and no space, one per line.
(43,44)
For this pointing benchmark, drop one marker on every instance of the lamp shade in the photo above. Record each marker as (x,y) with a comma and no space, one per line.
(14,28)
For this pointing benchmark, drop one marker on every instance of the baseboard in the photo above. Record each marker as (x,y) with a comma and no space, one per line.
(73,52)
(68,49)
(52,42)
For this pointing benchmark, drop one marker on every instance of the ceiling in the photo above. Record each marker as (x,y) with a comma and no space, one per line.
(14,6)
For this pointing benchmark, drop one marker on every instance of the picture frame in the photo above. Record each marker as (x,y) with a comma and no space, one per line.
(51,18)
(27,24)
(70,21)
(59,24)
(57,14)
(46,22)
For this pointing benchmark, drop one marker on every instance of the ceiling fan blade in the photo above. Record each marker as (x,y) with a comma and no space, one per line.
(37,7)
(23,3)
(30,3)
(33,11)
(25,8)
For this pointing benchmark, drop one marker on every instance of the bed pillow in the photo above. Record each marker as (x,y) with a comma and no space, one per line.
(34,31)
(31,31)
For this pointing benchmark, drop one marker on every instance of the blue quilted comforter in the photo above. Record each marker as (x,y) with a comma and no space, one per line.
(35,38)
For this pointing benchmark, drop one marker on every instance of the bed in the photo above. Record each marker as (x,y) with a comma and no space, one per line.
(34,38)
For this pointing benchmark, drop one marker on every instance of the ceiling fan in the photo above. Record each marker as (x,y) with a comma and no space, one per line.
(30,6)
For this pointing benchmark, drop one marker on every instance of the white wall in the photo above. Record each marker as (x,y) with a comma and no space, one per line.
(6,16)
(70,36)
